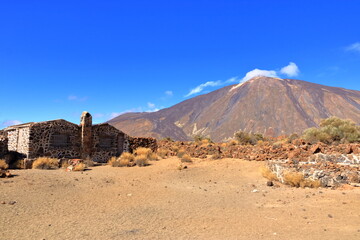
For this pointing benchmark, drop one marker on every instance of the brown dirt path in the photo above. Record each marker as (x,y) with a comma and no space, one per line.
(212,199)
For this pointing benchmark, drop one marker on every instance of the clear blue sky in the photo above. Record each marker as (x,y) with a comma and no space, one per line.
(58,58)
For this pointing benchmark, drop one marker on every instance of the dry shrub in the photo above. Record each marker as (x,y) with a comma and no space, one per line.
(79,167)
(141,160)
(181,153)
(186,158)
(206,141)
(3,164)
(175,149)
(89,162)
(267,173)
(18,164)
(232,143)
(127,156)
(310,183)
(65,164)
(45,163)
(296,179)
(153,157)
(143,151)
(216,156)
(125,160)
(112,161)
(162,152)
(245,138)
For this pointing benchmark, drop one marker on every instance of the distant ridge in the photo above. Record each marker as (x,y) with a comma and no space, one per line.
(270,106)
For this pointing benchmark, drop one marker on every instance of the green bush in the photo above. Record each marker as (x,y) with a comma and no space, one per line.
(199,138)
(332,130)
(248,138)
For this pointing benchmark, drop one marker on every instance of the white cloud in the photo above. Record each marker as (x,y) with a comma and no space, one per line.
(201,87)
(153,110)
(231,80)
(76,98)
(115,114)
(290,70)
(354,47)
(151,105)
(10,123)
(169,93)
(258,72)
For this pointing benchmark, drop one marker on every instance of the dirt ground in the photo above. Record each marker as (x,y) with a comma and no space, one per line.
(212,199)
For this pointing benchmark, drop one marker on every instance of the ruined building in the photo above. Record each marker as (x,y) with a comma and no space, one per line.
(63,139)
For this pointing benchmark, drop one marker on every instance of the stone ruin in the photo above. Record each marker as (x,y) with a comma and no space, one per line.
(62,139)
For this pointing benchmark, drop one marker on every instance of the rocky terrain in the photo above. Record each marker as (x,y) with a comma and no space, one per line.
(270,106)
(332,165)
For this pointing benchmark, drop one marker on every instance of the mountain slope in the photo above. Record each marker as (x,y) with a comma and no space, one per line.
(270,106)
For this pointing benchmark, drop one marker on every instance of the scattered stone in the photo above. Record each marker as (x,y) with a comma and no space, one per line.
(255,191)
(269,184)
(330,216)
(11,202)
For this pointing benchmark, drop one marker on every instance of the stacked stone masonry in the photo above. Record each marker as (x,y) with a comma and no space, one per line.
(63,139)
(136,142)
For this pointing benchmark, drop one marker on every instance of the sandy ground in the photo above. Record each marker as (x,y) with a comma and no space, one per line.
(212,199)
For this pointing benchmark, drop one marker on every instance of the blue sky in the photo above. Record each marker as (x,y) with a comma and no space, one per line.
(59,58)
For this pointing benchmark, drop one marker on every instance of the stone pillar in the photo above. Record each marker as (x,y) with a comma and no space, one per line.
(86,134)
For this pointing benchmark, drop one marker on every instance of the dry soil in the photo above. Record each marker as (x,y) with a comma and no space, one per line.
(211,199)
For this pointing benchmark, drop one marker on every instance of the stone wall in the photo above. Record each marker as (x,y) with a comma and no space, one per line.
(331,170)
(18,139)
(57,139)
(261,152)
(136,142)
(107,142)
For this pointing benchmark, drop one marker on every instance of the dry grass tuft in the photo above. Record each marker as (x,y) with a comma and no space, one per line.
(79,167)
(232,143)
(125,160)
(296,179)
(128,156)
(89,162)
(65,164)
(112,161)
(181,153)
(153,157)
(216,156)
(175,149)
(143,151)
(186,158)
(45,163)
(267,173)
(3,164)
(141,160)
(162,152)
